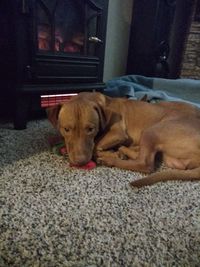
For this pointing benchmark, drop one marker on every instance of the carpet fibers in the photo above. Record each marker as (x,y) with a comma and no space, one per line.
(52,215)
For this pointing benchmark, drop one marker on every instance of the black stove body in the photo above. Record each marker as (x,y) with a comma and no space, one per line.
(49,47)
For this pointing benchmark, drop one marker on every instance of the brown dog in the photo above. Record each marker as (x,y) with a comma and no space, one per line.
(92,123)
(79,121)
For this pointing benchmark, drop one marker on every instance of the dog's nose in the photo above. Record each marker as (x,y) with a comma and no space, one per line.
(80,160)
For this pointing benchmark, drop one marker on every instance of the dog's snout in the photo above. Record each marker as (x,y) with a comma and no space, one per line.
(80,160)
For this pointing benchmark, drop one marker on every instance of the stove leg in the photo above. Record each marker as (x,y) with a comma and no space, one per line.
(22,106)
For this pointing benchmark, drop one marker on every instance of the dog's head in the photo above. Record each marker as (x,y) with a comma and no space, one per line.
(79,121)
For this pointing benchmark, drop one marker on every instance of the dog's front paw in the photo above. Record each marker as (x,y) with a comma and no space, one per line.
(108,161)
(121,153)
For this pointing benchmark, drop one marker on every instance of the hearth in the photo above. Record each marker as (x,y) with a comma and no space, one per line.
(49,47)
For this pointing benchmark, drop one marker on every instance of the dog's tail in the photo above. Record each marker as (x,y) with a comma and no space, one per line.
(184,175)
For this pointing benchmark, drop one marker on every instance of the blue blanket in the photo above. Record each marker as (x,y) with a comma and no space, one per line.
(156,89)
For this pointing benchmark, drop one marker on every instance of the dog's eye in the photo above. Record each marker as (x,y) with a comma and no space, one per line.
(90,130)
(67,130)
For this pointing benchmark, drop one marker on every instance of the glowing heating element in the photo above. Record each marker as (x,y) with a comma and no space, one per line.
(52,100)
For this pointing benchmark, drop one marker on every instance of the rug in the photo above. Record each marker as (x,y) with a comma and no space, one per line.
(52,215)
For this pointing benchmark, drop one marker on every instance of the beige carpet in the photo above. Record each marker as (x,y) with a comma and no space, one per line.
(52,215)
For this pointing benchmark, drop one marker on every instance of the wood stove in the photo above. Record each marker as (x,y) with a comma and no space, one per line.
(50,46)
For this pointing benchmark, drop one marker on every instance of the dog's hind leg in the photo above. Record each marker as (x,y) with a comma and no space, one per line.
(132,152)
(145,162)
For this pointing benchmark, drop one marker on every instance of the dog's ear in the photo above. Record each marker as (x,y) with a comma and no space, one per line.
(52,114)
(112,116)
(144,98)
(107,117)
(102,117)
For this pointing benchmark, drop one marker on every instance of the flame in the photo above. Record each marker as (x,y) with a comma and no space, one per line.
(44,41)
